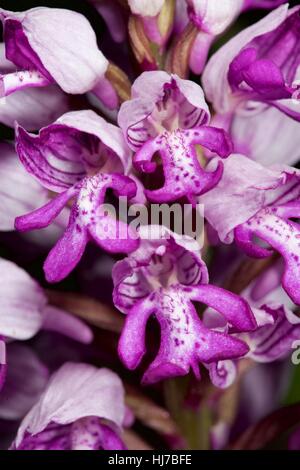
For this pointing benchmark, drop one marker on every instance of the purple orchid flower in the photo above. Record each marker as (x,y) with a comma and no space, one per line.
(164,277)
(253,201)
(278,328)
(25,311)
(26,379)
(82,408)
(252,82)
(77,68)
(169,115)
(80,157)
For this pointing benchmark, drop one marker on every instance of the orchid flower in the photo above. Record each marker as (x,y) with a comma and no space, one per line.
(82,408)
(278,326)
(253,201)
(25,311)
(252,82)
(80,157)
(77,68)
(164,277)
(25,381)
(169,115)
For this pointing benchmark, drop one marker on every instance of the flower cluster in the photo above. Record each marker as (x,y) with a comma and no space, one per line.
(163,122)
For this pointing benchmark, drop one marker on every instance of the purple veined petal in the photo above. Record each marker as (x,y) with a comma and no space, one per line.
(77,67)
(233,307)
(162,257)
(42,217)
(185,340)
(131,346)
(66,324)
(54,174)
(130,285)
(22,303)
(33,107)
(16,81)
(146,8)
(274,340)
(67,252)
(222,373)
(215,82)
(283,236)
(70,395)
(87,121)
(26,379)
(77,143)
(19,192)
(90,434)
(3,365)
(161,102)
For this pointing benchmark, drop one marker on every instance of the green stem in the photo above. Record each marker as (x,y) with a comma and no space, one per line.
(194,424)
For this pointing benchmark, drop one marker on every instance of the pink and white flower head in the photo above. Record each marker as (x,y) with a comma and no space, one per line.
(80,156)
(252,82)
(82,408)
(169,115)
(164,277)
(25,310)
(252,201)
(74,61)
